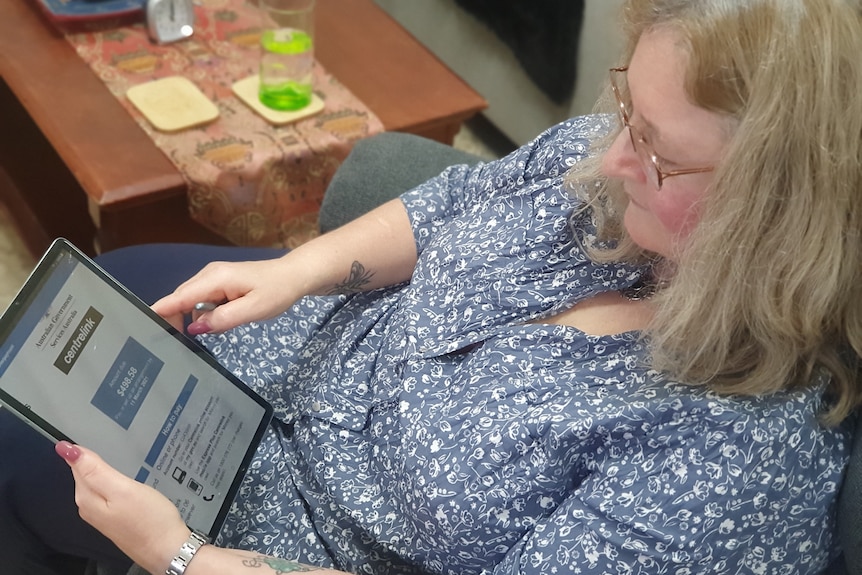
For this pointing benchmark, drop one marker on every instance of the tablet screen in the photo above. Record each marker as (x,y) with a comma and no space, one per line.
(83,359)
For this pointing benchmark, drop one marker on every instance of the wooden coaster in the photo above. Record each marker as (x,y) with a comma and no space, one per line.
(172,103)
(246,89)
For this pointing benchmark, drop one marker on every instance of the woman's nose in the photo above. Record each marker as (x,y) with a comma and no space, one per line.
(620,160)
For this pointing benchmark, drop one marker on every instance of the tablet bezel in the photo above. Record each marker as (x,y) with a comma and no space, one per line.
(41,273)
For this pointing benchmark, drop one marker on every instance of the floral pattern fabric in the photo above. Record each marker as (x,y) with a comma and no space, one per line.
(252,182)
(433,427)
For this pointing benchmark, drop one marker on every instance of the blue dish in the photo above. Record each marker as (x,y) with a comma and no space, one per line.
(68,11)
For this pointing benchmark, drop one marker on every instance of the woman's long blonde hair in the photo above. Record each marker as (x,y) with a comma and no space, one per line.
(768,288)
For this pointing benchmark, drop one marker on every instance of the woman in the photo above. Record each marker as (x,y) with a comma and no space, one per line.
(512,388)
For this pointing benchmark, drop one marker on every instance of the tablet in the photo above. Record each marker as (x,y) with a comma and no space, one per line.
(83,359)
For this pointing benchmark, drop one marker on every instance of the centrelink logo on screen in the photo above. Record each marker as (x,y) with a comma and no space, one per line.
(80,336)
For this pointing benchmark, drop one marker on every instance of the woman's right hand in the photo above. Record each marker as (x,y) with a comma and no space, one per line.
(243,292)
(374,250)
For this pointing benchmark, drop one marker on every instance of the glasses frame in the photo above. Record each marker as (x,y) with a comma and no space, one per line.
(649,159)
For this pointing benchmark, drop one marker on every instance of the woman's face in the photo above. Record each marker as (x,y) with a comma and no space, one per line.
(682,135)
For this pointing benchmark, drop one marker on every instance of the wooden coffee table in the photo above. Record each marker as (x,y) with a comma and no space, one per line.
(74,163)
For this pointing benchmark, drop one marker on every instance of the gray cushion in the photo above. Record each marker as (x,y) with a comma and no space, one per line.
(850,507)
(380,168)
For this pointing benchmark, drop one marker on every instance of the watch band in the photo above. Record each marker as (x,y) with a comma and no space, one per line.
(187,551)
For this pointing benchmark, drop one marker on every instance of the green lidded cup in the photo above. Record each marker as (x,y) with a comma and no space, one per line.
(287,53)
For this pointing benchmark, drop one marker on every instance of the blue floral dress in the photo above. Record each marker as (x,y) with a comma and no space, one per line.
(428,428)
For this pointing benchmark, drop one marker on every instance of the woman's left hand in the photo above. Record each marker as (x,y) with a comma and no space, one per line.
(143,523)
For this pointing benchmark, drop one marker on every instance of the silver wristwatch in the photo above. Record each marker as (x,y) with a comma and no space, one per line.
(188,549)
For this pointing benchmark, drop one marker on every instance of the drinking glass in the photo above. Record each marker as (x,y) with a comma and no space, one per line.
(287,59)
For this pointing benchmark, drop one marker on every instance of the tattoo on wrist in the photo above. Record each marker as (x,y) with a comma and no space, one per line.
(357,280)
(279,566)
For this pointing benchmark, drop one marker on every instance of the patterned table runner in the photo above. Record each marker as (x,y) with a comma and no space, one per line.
(249,181)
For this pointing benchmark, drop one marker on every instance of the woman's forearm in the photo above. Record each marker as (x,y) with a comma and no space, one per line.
(212,560)
(375,250)
(147,526)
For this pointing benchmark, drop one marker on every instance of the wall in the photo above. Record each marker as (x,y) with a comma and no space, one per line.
(516,106)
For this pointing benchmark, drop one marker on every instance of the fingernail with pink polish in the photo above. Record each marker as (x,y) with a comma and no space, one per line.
(67,451)
(198,328)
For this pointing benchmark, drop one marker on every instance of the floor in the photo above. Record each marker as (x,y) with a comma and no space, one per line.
(477,136)
(15,261)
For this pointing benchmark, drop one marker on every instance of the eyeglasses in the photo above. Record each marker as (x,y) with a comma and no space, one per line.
(647,156)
